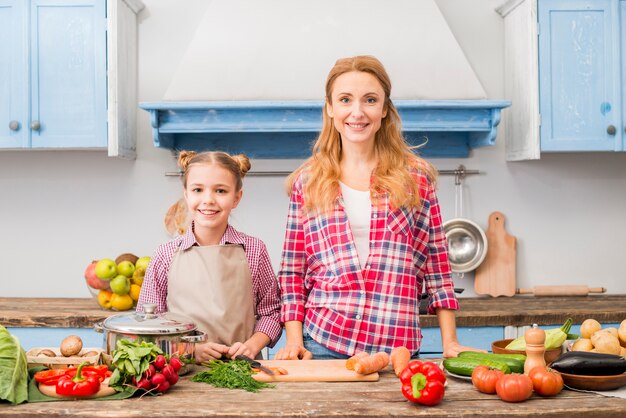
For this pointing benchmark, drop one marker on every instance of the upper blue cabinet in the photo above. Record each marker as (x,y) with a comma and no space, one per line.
(281,129)
(59,78)
(564,76)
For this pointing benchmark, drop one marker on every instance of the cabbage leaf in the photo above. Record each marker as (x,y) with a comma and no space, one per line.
(13,369)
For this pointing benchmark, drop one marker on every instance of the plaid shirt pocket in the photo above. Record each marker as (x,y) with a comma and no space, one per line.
(399,221)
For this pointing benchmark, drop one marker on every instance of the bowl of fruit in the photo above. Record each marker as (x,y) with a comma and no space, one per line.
(116,283)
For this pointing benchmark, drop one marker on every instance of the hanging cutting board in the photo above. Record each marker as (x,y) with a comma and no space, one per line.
(313,371)
(496,275)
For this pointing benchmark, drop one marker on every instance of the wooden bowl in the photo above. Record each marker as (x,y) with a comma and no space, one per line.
(578,381)
(497,347)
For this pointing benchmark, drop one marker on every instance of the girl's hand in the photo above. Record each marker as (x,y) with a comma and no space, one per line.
(209,351)
(238,349)
(453,349)
(293,352)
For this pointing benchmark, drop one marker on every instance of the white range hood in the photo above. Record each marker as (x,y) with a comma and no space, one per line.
(255,72)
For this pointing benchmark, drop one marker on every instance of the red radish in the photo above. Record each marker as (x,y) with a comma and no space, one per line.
(163,387)
(150,371)
(173,379)
(144,384)
(167,371)
(159,362)
(157,379)
(176,363)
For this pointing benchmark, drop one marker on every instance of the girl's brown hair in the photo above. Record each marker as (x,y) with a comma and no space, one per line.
(395,158)
(239,164)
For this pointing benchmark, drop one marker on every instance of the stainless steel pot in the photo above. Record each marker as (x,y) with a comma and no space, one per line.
(175,334)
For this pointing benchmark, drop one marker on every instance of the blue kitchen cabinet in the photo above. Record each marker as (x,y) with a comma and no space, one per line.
(478,337)
(51,337)
(565,69)
(59,78)
(579,75)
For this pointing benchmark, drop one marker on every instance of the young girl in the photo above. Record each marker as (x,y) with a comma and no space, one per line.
(364,231)
(219,277)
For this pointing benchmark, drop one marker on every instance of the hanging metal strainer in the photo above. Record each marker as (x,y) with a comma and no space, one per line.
(467,242)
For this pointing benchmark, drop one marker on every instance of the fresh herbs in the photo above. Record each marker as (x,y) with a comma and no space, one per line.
(131,359)
(235,374)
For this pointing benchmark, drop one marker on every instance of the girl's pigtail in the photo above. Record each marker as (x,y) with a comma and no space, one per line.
(243,162)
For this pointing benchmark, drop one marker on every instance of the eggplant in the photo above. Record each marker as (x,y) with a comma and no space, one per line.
(589,364)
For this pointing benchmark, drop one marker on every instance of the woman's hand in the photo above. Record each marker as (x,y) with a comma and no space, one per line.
(209,351)
(452,349)
(293,352)
(238,349)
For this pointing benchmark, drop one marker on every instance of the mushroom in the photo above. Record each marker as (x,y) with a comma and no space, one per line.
(71,345)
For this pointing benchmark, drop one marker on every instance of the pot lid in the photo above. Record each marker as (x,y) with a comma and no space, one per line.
(149,323)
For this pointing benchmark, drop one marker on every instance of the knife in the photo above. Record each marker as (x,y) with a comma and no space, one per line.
(255,364)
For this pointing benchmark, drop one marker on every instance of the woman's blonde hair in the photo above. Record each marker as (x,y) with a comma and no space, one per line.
(239,164)
(395,158)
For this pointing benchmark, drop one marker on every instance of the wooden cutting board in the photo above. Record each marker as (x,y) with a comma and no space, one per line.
(313,371)
(496,274)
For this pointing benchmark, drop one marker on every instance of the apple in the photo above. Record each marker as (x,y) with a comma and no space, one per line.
(142,264)
(120,285)
(125,268)
(92,280)
(106,269)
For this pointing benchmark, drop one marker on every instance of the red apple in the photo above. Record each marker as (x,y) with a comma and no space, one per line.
(92,280)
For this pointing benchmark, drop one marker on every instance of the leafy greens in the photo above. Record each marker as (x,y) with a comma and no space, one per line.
(13,369)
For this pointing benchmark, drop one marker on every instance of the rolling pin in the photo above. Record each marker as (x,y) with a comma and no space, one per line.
(564,290)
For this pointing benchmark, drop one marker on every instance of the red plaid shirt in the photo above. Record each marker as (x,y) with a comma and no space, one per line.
(264,283)
(347,308)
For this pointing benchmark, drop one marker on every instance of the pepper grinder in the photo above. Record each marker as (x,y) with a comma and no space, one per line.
(535,339)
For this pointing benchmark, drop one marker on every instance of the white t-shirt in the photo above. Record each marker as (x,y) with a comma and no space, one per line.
(358,206)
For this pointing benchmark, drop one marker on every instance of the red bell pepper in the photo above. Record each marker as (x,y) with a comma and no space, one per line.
(423,383)
(78,385)
(52,376)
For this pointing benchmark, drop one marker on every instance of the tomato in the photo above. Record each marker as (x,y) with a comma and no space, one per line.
(484,378)
(546,382)
(514,387)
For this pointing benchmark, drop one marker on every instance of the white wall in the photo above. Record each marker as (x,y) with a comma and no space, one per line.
(59,210)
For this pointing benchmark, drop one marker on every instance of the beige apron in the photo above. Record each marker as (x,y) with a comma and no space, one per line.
(212,286)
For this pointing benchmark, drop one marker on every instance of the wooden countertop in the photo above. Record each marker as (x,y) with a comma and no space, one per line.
(475,312)
(363,399)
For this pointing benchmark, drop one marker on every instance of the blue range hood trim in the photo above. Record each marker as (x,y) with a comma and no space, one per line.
(287,129)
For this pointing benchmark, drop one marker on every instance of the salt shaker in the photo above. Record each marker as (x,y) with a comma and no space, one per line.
(535,339)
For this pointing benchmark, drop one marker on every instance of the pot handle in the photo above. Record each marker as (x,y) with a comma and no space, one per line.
(200,337)
(98,327)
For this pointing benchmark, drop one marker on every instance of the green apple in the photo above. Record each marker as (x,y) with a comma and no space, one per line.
(142,264)
(125,268)
(106,269)
(120,285)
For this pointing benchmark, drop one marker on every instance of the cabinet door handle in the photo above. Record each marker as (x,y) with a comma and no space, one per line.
(35,125)
(611,130)
(14,125)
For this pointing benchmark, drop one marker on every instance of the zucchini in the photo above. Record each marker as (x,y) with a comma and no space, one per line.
(465,366)
(514,361)
(589,364)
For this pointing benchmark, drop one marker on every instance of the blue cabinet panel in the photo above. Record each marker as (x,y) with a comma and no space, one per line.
(480,337)
(53,86)
(52,337)
(13,75)
(580,89)
(68,84)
